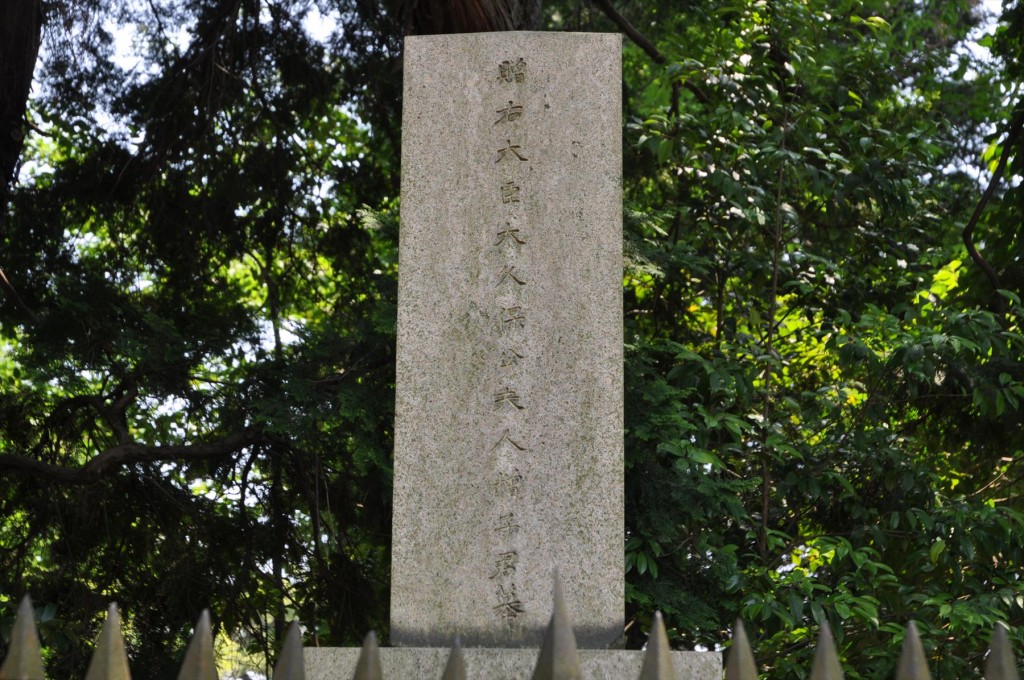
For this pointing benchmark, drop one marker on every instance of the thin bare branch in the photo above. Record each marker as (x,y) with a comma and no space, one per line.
(12,291)
(1012,136)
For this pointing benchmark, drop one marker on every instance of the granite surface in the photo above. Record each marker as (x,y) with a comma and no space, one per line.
(410,663)
(508,432)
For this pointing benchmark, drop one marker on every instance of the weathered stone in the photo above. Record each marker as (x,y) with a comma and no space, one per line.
(508,433)
(411,663)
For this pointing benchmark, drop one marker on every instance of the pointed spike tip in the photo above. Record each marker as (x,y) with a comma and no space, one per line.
(289,665)
(740,665)
(24,660)
(368,666)
(1000,664)
(913,664)
(657,659)
(200,663)
(826,664)
(455,669)
(558,658)
(109,659)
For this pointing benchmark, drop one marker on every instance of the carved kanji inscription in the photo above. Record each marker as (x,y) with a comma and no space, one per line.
(509,113)
(512,71)
(506,526)
(510,150)
(512,318)
(509,483)
(509,606)
(507,397)
(508,234)
(509,274)
(510,357)
(506,439)
(505,564)
(510,192)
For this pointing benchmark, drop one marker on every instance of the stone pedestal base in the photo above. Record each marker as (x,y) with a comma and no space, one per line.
(421,663)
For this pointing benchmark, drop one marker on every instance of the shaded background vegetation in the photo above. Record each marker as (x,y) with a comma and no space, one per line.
(823,323)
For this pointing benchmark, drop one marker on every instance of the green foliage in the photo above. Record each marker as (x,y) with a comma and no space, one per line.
(824,394)
(198,274)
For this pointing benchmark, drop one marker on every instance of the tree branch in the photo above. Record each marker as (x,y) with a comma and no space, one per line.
(634,35)
(115,413)
(6,284)
(647,46)
(968,233)
(125,454)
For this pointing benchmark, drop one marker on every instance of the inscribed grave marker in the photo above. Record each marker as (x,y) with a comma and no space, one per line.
(508,432)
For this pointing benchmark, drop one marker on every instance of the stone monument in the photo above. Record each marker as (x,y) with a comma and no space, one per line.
(508,432)
(509,405)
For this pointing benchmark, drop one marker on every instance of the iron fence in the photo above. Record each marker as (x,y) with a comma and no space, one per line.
(557,659)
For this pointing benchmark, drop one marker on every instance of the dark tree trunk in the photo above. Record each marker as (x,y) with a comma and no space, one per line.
(469,16)
(20,25)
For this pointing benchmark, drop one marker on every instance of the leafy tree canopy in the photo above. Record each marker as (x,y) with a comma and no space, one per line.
(823,337)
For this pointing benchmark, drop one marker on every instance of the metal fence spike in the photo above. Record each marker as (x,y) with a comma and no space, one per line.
(740,665)
(1000,664)
(826,664)
(199,663)
(289,665)
(913,663)
(455,669)
(558,658)
(24,660)
(657,659)
(109,660)
(368,667)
